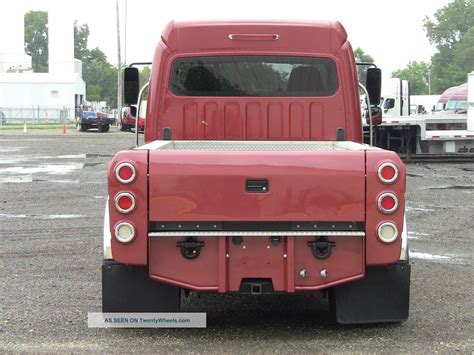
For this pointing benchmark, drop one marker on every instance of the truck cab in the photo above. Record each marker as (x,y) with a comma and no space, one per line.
(253,177)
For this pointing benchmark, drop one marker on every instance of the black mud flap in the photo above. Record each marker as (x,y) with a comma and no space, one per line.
(128,289)
(382,296)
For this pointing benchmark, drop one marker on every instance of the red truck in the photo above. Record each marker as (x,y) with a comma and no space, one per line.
(253,177)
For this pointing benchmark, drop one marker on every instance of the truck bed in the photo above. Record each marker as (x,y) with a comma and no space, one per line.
(256,146)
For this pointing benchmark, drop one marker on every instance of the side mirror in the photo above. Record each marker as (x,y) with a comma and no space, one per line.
(133,111)
(373,84)
(131,87)
(376,116)
(388,104)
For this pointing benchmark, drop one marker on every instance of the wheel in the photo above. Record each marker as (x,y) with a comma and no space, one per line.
(128,289)
(105,128)
(102,128)
(82,127)
(383,295)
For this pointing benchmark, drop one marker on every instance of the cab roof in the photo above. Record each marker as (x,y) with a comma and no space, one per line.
(313,36)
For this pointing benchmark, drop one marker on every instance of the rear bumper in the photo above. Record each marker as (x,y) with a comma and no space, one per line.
(279,264)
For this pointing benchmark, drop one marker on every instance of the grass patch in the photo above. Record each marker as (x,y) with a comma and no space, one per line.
(36,126)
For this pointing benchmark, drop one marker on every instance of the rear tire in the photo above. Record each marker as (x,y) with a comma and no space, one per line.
(128,289)
(102,128)
(82,127)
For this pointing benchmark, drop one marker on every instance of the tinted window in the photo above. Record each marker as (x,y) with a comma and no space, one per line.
(253,76)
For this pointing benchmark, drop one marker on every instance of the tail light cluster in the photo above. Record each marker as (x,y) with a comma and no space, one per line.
(125,202)
(387,202)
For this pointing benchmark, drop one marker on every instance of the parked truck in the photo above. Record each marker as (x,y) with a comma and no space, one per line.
(253,177)
(446,131)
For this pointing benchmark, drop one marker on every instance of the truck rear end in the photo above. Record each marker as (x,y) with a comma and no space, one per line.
(304,212)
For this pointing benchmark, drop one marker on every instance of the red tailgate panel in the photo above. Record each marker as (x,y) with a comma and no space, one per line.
(210,185)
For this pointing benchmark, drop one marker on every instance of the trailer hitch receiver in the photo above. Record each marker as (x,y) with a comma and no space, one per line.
(321,247)
(190,247)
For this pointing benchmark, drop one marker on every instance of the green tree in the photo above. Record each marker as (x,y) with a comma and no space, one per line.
(446,31)
(361,56)
(417,73)
(463,54)
(100,76)
(81,36)
(36,39)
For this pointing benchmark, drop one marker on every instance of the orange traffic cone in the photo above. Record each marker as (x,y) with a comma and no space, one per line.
(64,128)
(46,120)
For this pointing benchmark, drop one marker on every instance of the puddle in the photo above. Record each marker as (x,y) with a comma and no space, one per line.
(38,216)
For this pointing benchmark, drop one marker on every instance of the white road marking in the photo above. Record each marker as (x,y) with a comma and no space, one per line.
(46,216)
(427,256)
(50,169)
(15,179)
(411,209)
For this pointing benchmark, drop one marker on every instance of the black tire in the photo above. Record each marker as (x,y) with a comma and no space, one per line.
(82,127)
(383,295)
(127,288)
(102,128)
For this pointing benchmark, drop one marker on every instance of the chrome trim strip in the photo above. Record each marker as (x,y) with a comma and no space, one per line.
(257,234)
(107,236)
(404,248)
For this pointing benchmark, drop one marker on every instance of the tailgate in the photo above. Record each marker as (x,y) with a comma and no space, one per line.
(256,181)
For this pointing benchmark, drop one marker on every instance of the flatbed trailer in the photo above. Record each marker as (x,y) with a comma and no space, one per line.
(432,134)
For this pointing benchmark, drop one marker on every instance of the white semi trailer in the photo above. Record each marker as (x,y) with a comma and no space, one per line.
(443,132)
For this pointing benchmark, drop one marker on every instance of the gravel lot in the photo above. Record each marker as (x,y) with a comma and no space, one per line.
(52,197)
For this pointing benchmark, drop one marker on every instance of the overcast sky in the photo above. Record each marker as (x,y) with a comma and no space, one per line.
(389,30)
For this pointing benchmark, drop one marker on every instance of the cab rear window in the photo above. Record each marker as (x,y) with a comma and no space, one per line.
(253,76)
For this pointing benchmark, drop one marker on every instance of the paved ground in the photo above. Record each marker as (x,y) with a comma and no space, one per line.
(52,195)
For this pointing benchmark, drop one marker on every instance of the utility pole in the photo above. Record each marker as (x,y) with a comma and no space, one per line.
(125,37)
(429,81)
(119,66)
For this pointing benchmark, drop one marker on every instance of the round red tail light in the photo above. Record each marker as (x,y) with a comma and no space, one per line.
(125,173)
(388,202)
(388,173)
(125,202)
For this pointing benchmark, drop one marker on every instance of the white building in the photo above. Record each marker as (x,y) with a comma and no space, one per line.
(26,96)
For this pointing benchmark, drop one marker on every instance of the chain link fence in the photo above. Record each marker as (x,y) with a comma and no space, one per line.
(35,115)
